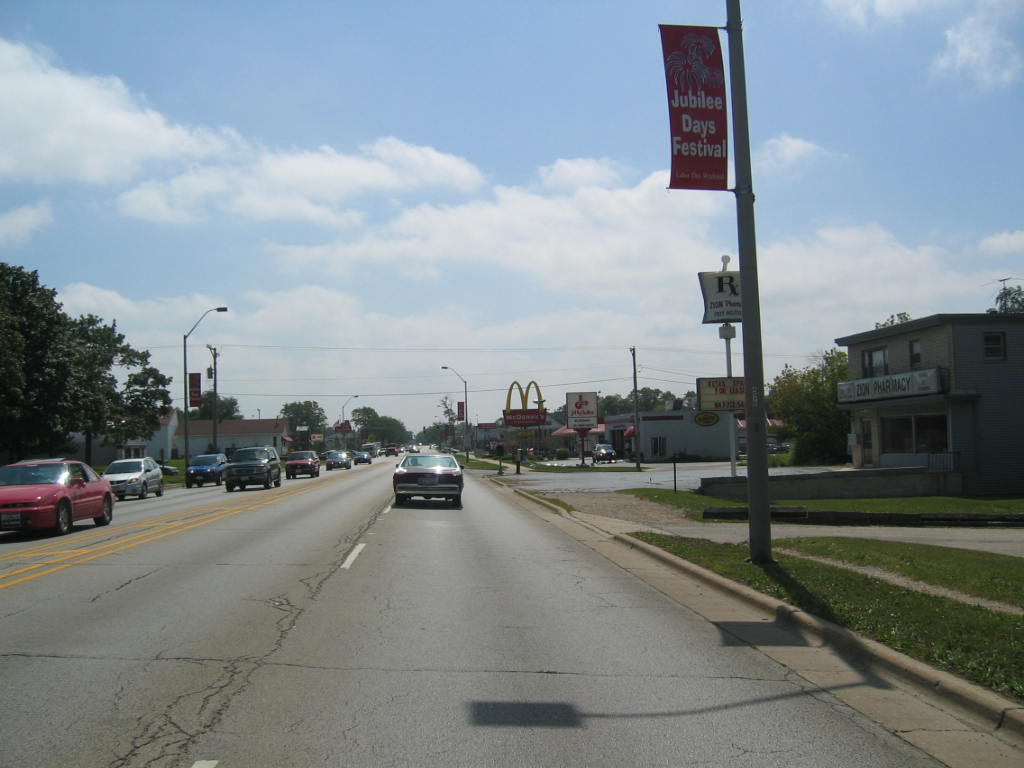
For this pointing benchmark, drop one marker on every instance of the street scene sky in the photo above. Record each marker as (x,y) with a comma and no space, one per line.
(377,190)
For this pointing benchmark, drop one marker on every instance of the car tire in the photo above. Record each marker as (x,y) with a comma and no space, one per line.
(120,497)
(63,523)
(188,483)
(143,492)
(457,501)
(228,488)
(399,500)
(277,483)
(219,480)
(160,489)
(267,483)
(108,513)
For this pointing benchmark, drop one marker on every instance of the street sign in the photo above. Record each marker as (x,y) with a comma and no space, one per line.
(581,410)
(723,302)
(195,390)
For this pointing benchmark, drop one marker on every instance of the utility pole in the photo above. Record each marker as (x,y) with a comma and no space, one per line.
(753,363)
(636,414)
(213,351)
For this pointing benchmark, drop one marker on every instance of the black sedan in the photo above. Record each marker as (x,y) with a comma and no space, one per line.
(429,477)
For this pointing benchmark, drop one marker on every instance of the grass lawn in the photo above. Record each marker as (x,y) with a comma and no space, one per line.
(694,503)
(983,574)
(980,645)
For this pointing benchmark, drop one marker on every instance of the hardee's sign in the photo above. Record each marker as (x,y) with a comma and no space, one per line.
(525,416)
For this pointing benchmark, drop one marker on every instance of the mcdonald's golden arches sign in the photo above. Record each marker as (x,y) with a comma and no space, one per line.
(525,416)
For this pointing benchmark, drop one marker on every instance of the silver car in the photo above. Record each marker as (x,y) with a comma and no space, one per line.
(135,477)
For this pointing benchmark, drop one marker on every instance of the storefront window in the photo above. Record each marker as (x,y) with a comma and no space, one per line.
(931,434)
(898,435)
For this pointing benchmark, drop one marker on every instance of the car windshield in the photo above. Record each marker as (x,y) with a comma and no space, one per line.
(123,467)
(302,455)
(209,458)
(252,454)
(430,462)
(32,474)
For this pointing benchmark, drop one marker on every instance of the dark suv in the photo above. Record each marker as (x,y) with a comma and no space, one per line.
(253,466)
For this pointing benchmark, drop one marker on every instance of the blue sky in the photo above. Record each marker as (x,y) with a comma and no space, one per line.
(379,189)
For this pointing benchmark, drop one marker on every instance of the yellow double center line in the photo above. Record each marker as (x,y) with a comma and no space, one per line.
(56,556)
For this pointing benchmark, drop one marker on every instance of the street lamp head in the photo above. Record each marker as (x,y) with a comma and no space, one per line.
(444,367)
(222,309)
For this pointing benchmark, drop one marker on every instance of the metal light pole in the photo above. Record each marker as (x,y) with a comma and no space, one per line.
(465,406)
(184,357)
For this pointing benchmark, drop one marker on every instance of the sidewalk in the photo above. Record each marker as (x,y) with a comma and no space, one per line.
(955,721)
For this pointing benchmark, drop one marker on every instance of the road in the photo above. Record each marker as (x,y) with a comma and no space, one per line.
(315,625)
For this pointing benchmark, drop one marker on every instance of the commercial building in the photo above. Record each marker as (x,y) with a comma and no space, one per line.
(942,393)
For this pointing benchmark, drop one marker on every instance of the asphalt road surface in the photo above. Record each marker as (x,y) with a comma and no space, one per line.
(314,625)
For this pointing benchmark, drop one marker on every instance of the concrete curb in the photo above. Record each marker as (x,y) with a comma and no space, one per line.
(1001,714)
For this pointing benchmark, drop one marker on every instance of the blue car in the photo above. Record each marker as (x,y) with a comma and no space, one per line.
(206,468)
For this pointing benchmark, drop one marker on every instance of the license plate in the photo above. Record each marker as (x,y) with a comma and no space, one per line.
(430,480)
(10,521)
(244,478)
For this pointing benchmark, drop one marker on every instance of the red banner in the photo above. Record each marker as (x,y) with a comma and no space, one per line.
(698,119)
(461,411)
(195,390)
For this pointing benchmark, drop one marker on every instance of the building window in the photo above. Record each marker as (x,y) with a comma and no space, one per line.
(658,447)
(995,346)
(875,362)
(915,353)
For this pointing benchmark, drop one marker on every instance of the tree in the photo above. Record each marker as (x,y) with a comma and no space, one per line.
(227,408)
(806,401)
(1009,300)
(62,375)
(898,319)
(307,413)
(379,429)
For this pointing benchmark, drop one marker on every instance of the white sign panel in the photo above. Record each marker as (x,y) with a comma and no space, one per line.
(581,410)
(722,300)
(909,384)
(722,394)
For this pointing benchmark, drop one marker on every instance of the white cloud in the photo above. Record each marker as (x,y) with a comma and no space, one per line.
(864,12)
(787,154)
(579,172)
(590,242)
(19,224)
(311,186)
(1004,243)
(56,126)
(977,48)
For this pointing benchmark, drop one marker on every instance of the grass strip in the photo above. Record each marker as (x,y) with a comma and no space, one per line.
(983,574)
(975,643)
(692,504)
(915,505)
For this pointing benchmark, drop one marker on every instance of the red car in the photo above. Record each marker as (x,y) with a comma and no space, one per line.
(302,463)
(51,494)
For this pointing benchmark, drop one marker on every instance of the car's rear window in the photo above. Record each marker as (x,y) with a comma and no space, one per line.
(431,462)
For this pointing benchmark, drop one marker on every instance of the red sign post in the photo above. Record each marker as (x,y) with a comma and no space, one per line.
(695,77)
